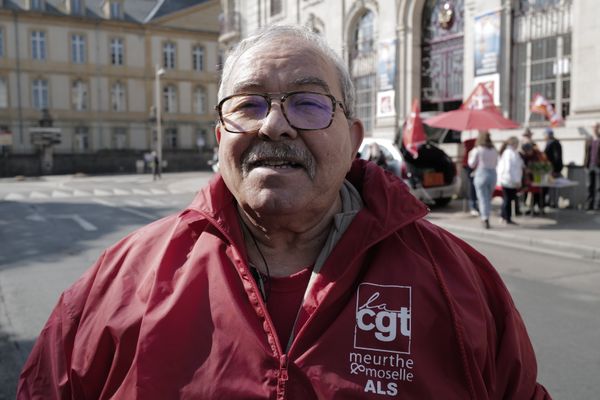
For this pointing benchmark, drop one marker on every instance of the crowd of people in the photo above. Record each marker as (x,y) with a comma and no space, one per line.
(515,167)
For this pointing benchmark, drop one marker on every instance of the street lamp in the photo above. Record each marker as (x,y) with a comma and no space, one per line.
(158,72)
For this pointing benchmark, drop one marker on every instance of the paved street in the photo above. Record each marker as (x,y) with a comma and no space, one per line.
(52,229)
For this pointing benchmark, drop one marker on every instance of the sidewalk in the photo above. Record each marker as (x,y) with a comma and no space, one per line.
(564,232)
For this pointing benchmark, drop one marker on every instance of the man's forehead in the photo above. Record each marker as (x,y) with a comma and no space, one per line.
(294,83)
(290,66)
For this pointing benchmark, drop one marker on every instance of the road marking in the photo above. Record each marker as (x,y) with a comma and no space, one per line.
(126,209)
(38,195)
(121,192)
(14,196)
(101,192)
(61,194)
(134,203)
(154,202)
(81,193)
(141,191)
(87,226)
(158,191)
(36,218)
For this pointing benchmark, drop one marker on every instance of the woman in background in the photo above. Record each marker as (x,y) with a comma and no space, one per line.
(510,176)
(484,159)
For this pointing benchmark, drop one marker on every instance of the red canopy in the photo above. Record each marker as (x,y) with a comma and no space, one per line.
(477,112)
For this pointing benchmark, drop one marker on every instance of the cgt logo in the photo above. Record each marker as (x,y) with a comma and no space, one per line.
(383,315)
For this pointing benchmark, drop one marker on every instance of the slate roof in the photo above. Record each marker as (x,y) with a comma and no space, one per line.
(139,11)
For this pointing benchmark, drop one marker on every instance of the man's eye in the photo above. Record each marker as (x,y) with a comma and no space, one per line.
(309,104)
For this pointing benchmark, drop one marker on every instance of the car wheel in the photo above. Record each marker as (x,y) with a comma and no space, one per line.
(442,201)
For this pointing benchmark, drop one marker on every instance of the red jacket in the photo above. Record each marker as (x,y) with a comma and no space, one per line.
(400,309)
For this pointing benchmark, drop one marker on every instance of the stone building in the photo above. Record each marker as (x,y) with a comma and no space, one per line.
(93,65)
(437,50)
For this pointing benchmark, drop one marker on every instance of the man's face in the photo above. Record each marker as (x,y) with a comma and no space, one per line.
(280,170)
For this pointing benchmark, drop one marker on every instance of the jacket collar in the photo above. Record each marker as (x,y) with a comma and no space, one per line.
(388,203)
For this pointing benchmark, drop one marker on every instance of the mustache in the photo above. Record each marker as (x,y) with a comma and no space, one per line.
(277,152)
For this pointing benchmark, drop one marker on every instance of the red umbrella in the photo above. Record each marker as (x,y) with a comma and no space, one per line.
(477,112)
(464,119)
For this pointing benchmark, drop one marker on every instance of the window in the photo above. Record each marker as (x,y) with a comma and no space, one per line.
(542,58)
(198,58)
(117,97)
(169,95)
(79,95)
(38,45)
(81,140)
(37,5)
(363,68)
(201,135)
(1,42)
(77,49)
(200,100)
(3,93)
(169,55)
(365,34)
(40,94)
(115,10)
(276,7)
(116,51)
(171,138)
(119,138)
(76,7)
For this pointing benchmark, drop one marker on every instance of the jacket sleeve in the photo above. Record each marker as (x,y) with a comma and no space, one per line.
(514,361)
(47,371)
(473,158)
(502,361)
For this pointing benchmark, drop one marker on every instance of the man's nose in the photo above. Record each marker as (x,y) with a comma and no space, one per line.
(275,126)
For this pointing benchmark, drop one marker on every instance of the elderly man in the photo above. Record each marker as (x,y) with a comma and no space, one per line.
(296,274)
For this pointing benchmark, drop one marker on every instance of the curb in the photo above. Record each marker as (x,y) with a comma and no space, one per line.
(546,246)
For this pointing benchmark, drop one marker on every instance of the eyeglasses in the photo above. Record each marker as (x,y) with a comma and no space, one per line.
(245,112)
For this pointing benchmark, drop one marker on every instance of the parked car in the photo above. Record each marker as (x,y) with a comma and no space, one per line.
(431,177)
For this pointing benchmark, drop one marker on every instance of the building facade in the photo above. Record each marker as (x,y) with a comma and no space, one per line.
(436,51)
(92,67)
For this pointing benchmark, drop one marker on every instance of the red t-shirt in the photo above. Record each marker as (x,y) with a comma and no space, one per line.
(285,298)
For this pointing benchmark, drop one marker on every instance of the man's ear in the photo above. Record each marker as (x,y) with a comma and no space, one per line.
(218,133)
(357,133)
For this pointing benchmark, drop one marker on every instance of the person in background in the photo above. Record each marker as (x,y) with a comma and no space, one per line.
(155,166)
(375,154)
(468,145)
(484,159)
(592,164)
(532,157)
(553,152)
(297,272)
(510,176)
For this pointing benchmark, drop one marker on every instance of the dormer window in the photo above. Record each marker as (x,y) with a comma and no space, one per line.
(76,7)
(113,9)
(37,5)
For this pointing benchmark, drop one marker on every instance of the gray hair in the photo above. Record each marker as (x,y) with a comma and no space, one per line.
(271,32)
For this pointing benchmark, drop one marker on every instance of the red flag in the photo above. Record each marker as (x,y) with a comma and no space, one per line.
(540,105)
(414,133)
(479,99)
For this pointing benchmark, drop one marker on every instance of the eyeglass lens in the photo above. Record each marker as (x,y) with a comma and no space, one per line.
(303,110)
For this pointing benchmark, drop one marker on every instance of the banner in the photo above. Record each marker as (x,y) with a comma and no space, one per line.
(413,135)
(487,43)
(540,105)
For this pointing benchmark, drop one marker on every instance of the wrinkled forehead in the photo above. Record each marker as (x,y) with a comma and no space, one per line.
(285,64)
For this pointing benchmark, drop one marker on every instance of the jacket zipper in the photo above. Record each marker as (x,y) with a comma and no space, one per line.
(282,372)
(282,376)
